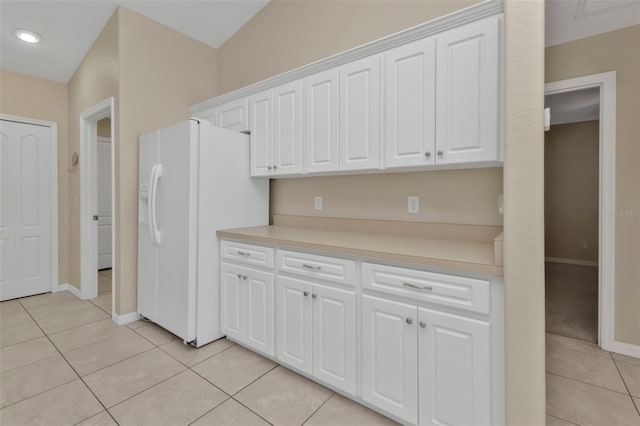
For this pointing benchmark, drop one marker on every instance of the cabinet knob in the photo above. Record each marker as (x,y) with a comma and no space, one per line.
(269,167)
(440,152)
(423,324)
(239,276)
(314,295)
(275,167)
(427,154)
(245,277)
(306,293)
(409,321)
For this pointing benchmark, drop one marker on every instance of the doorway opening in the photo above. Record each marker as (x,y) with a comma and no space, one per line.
(579,208)
(98,265)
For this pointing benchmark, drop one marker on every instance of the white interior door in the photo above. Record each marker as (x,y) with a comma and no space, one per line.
(25,213)
(105,215)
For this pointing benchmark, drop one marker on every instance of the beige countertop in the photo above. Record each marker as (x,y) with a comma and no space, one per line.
(456,254)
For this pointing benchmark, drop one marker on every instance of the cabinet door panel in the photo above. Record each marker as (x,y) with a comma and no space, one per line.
(294,323)
(360,114)
(455,370)
(334,337)
(389,357)
(259,311)
(233,115)
(410,104)
(232,301)
(321,122)
(288,128)
(261,123)
(467,94)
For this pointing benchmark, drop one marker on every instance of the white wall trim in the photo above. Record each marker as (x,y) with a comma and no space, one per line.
(625,349)
(68,287)
(571,261)
(472,13)
(126,318)
(53,178)
(607,194)
(88,199)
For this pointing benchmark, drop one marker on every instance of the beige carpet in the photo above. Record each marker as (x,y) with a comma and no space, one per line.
(572,301)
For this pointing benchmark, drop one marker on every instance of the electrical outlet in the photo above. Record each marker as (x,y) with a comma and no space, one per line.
(583,245)
(413,205)
(318,202)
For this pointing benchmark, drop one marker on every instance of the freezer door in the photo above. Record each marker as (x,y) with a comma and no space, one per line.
(147,250)
(176,224)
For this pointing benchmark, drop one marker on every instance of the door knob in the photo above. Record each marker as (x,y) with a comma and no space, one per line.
(409,321)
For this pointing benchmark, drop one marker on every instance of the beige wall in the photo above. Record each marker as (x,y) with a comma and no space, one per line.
(95,80)
(32,97)
(104,128)
(162,73)
(524,212)
(571,190)
(447,196)
(616,51)
(288,34)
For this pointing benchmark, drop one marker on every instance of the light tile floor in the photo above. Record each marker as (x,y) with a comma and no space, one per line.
(64,362)
(589,386)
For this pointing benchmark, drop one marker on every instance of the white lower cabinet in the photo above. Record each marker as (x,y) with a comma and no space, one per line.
(389,357)
(316,331)
(247,306)
(425,366)
(454,369)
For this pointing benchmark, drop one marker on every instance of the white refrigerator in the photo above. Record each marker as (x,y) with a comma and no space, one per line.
(193,180)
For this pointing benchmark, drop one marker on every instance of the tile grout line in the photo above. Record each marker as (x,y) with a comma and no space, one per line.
(586,383)
(46,390)
(76,372)
(208,411)
(199,362)
(564,420)
(625,383)
(250,409)
(317,409)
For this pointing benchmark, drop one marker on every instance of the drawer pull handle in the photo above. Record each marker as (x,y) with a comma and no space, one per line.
(244,253)
(311,267)
(418,287)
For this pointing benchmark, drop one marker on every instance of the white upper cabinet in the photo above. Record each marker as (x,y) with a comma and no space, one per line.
(468,93)
(410,84)
(360,114)
(261,124)
(233,115)
(288,129)
(321,122)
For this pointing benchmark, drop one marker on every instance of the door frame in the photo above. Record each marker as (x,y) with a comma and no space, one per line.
(607,196)
(53,176)
(88,199)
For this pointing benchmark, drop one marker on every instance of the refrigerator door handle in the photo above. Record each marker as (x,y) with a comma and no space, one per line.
(150,201)
(156,235)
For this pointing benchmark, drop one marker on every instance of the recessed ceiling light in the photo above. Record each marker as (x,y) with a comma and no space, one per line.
(27,36)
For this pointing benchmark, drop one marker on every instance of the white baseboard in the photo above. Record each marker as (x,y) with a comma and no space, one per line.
(68,287)
(126,318)
(625,349)
(571,261)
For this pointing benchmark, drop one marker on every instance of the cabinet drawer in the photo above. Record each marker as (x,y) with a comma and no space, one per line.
(247,253)
(460,292)
(338,270)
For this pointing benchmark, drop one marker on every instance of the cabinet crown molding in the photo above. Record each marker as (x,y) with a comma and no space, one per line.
(464,16)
